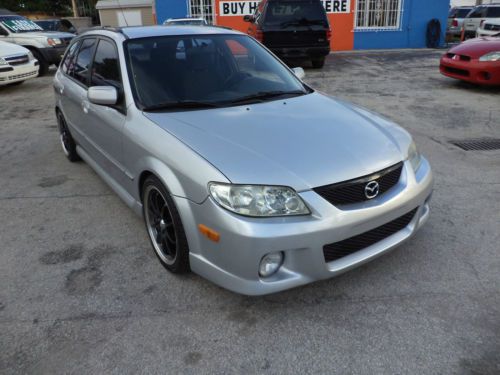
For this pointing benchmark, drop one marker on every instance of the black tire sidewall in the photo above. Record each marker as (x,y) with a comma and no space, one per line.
(71,147)
(181,262)
(43,64)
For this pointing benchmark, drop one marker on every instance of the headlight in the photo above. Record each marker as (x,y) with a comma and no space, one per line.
(30,56)
(492,56)
(3,62)
(53,41)
(414,156)
(257,200)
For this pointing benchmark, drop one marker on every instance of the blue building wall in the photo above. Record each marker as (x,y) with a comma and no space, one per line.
(416,15)
(166,9)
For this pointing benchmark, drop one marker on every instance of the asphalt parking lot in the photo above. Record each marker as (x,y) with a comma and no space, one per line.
(82,292)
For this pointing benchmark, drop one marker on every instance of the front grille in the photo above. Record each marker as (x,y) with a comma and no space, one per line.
(489,26)
(353,191)
(17,60)
(17,76)
(349,246)
(459,72)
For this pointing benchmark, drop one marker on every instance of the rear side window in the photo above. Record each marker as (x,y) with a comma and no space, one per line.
(105,69)
(461,13)
(81,66)
(493,12)
(67,63)
(478,12)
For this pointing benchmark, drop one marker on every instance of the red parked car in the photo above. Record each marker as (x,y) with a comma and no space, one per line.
(475,60)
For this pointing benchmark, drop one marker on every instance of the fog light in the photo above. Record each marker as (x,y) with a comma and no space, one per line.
(270,263)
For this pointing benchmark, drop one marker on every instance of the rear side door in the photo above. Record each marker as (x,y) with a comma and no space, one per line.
(104,124)
(493,13)
(74,88)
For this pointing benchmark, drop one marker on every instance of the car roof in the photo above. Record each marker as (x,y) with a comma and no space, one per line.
(187,19)
(134,32)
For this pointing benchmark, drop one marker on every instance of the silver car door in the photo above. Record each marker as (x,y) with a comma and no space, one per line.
(75,91)
(104,123)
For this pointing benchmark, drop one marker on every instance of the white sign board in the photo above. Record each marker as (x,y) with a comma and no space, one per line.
(247,7)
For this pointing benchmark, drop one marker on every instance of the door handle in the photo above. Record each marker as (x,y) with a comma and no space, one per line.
(85,106)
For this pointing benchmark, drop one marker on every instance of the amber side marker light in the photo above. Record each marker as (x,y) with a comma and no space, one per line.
(209,233)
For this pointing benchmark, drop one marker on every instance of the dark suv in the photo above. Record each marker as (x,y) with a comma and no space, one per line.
(292,29)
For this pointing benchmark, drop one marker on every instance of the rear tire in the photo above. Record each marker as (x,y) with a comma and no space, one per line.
(67,142)
(318,63)
(164,226)
(44,65)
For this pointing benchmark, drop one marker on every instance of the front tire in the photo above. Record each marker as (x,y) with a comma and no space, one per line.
(44,65)
(164,226)
(67,142)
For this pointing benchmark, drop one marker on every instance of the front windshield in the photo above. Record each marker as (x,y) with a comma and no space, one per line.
(18,24)
(217,70)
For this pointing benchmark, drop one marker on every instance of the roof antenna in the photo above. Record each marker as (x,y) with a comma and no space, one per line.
(123,13)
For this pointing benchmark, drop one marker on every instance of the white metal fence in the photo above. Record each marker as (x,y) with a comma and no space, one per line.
(202,9)
(378,14)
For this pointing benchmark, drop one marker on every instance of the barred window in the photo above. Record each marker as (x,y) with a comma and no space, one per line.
(378,14)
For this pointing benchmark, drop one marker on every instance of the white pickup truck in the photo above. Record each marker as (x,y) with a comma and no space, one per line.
(17,64)
(47,46)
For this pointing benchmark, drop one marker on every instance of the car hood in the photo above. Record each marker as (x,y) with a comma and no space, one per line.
(477,47)
(7,49)
(302,142)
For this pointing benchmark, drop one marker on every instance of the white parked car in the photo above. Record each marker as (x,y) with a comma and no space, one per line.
(478,17)
(17,64)
(489,28)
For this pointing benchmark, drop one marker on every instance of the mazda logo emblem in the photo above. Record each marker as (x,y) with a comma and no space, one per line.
(372,189)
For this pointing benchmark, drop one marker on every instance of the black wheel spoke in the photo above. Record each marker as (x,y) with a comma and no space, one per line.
(161,225)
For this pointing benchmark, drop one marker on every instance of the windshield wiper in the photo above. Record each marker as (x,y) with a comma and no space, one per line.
(263,95)
(181,104)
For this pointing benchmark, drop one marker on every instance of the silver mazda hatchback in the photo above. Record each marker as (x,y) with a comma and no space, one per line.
(243,173)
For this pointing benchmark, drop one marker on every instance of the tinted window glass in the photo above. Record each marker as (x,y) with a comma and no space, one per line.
(478,12)
(461,13)
(294,11)
(493,12)
(105,69)
(82,64)
(67,64)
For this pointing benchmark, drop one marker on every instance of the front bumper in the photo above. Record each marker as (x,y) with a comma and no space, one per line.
(482,32)
(19,73)
(233,262)
(53,55)
(484,73)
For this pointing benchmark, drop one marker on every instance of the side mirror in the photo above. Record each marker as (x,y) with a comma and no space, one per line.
(248,18)
(299,72)
(102,95)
